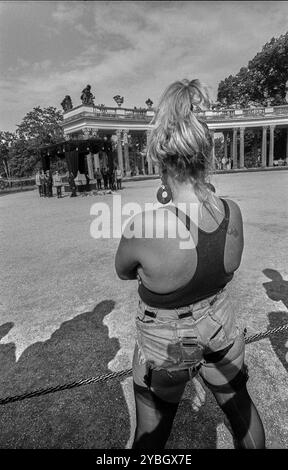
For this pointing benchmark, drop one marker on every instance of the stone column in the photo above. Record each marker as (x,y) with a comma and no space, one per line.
(149,161)
(255,145)
(287,145)
(264,147)
(156,167)
(104,157)
(212,133)
(96,161)
(231,146)
(234,155)
(119,150)
(225,145)
(242,142)
(126,152)
(143,163)
(271,146)
(150,166)
(90,166)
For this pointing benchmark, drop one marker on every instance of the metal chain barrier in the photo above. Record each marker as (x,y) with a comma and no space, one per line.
(265,334)
(114,375)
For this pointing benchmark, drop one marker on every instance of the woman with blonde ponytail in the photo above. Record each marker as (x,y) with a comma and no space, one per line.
(187,253)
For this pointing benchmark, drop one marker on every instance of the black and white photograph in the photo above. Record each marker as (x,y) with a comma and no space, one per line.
(147,318)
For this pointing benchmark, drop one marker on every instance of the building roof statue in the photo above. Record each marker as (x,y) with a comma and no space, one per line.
(86,96)
(149,103)
(119,99)
(67,103)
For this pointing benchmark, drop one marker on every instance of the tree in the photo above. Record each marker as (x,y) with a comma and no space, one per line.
(38,127)
(24,157)
(42,126)
(6,141)
(262,81)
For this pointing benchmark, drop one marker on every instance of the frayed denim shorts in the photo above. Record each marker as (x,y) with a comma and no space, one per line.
(202,337)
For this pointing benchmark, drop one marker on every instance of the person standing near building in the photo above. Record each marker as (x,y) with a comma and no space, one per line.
(49,183)
(105,178)
(72,185)
(57,182)
(87,182)
(99,179)
(38,182)
(43,183)
(119,176)
(111,177)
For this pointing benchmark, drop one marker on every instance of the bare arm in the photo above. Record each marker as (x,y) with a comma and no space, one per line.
(126,262)
(235,239)
(127,256)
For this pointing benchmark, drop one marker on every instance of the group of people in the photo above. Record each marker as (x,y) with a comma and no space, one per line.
(112,179)
(225,164)
(45,182)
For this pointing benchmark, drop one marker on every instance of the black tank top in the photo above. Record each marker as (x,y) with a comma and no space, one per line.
(210,275)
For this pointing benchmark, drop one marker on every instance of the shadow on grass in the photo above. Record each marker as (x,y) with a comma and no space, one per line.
(279,342)
(92,416)
(277,290)
(196,430)
(89,417)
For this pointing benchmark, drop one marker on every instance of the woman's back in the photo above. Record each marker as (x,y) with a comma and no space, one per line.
(168,260)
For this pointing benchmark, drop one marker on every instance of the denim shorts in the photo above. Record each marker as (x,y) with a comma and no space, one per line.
(202,337)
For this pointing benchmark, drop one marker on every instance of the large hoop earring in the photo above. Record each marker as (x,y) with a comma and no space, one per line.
(164,194)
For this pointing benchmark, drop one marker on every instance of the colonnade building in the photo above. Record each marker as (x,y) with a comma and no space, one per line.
(121,124)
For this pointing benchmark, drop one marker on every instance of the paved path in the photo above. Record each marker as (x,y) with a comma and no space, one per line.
(65,315)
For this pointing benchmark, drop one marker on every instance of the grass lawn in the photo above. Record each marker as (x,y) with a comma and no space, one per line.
(66,316)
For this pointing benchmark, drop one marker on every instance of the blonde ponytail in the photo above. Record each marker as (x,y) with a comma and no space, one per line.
(179,141)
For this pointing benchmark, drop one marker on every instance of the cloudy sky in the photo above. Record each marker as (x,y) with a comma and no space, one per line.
(132,48)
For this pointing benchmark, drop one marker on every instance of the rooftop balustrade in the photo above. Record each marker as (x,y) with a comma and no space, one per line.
(146,114)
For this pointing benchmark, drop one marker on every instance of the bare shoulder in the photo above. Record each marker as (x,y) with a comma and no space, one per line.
(133,224)
(139,224)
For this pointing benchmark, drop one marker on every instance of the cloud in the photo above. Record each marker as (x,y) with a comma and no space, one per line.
(68,13)
(138,48)
(20,65)
(84,31)
(44,65)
